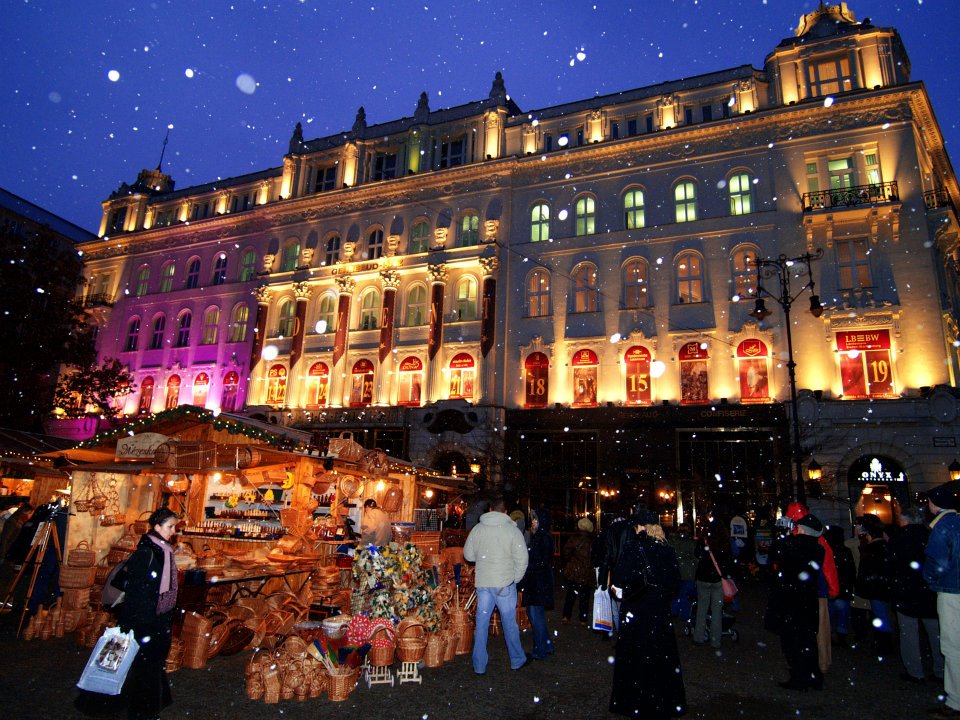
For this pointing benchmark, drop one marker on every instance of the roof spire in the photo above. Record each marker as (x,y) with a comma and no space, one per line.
(163,149)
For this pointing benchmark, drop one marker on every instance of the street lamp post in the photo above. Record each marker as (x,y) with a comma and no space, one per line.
(782,268)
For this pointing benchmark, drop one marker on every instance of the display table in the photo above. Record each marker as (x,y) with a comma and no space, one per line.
(193,596)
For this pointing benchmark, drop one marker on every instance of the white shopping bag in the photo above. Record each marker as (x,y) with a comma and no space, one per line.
(109,662)
(602,611)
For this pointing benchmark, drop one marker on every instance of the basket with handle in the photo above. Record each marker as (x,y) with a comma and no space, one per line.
(411,640)
(81,555)
(141,525)
(77,577)
(383,648)
(435,650)
(341,683)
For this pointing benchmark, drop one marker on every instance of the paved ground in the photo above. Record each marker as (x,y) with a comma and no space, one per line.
(37,681)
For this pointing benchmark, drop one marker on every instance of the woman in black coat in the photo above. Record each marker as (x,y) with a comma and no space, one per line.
(150,595)
(647,681)
(537,583)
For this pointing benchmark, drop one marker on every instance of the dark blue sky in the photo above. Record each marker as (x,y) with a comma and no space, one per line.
(233,78)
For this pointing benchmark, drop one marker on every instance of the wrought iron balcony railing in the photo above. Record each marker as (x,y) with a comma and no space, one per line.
(937,198)
(850,196)
(99,300)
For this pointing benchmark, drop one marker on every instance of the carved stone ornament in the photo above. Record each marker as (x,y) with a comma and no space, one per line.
(348,249)
(268,259)
(491,228)
(393,243)
(489,265)
(440,237)
(345,284)
(302,291)
(390,278)
(438,273)
(262,294)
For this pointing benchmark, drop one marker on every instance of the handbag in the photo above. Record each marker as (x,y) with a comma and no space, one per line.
(728,585)
(108,665)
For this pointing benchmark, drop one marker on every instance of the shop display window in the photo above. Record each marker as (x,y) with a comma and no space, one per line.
(866,367)
(694,389)
(318,385)
(752,361)
(536,370)
(636,360)
(411,381)
(585,364)
(361,384)
(462,376)
(276,385)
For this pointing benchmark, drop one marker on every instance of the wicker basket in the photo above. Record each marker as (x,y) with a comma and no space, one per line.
(340,685)
(117,555)
(411,649)
(140,526)
(174,659)
(434,651)
(77,577)
(382,649)
(76,598)
(81,555)
(450,650)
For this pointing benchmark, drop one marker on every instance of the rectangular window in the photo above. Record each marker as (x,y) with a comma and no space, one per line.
(866,369)
(813,178)
(873,168)
(615,131)
(829,76)
(688,116)
(706,111)
(853,263)
(326,179)
(841,173)
(117,220)
(632,127)
(384,166)
(451,153)
(649,120)
(579,137)
(547,142)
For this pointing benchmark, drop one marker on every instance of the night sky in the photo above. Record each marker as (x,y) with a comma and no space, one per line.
(88,89)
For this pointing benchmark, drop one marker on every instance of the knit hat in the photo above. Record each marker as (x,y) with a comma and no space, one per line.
(585,524)
(945,496)
(811,525)
(796,510)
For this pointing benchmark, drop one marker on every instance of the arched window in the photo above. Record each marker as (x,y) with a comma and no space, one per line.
(286,318)
(741,194)
(586,216)
(752,361)
(143,281)
(369,309)
(693,374)
(211,326)
(183,328)
(585,365)
(416,313)
(201,386)
(462,376)
(411,381)
(173,393)
(228,398)
(743,263)
(469,230)
(326,312)
(133,335)
(685,201)
(166,277)
(332,250)
(291,257)
(540,223)
(538,293)
(375,244)
(219,270)
(193,274)
(689,274)
(238,323)
(467,298)
(635,284)
(156,334)
(276,385)
(634,216)
(318,384)
(248,265)
(146,395)
(585,295)
(419,238)
(361,384)
(536,380)
(636,361)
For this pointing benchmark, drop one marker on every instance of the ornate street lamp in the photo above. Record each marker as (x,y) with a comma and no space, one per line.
(782,268)
(954,470)
(814,471)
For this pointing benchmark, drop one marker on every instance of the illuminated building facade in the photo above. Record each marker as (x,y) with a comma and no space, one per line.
(563,295)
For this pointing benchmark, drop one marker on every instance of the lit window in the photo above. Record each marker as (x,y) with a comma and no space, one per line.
(585,294)
(211,326)
(201,386)
(685,200)
(866,364)
(238,323)
(411,381)
(326,312)
(143,281)
(146,395)
(469,231)
(462,376)
(829,76)
(540,223)
(318,385)
(248,266)
(419,238)
(841,173)
(752,364)
(286,318)
(369,310)
(636,362)
(276,385)
(538,293)
(740,194)
(467,299)
(228,398)
(694,388)
(635,284)
(744,263)
(585,365)
(586,216)
(166,277)
(633,210)
(173,393)
(689,274)
(536,380)
(416,306)
(361,384)
(291,257)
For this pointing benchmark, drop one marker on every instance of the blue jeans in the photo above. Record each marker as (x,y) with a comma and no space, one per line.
(505,600)
(839,615)
(542,644)
(882,620)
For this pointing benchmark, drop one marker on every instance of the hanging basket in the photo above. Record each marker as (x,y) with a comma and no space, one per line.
(392,499)
(81,555)
(350,486)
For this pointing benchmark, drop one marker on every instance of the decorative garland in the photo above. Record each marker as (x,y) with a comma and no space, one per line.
(399,585)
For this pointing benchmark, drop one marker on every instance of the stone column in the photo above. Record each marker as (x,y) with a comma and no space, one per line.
(488,328)
(302,292)
(345,286)
(263,295)
(391,281)
(438,279)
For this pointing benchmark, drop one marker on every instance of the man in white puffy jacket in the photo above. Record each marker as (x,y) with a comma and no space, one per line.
(497,547)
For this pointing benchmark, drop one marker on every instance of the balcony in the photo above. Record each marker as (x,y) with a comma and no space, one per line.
(851,196)
(938,198)
(98,300)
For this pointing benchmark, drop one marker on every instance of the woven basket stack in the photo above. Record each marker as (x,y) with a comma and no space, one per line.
(77,576)
(411,640)
(196,640)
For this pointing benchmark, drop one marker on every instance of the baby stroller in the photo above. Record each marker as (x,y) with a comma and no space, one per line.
(727,628)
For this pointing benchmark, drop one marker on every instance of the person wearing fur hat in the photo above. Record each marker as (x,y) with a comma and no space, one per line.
(793,606)
(578,571)
(941,570)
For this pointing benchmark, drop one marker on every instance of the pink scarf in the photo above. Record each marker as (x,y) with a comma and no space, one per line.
(168,576)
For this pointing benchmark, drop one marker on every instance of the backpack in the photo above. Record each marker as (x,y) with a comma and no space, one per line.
(115,584)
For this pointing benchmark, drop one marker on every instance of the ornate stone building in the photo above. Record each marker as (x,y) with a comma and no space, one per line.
(567,297)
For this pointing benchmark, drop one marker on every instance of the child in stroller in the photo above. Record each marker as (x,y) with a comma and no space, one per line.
(727,627)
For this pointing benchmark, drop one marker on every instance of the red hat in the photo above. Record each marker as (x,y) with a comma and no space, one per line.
(796,510)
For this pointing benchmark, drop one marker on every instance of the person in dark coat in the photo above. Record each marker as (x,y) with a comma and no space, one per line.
(873,581)
(913,600)
(839,606)
(715,540)
(793,610)
(647,679)
(150,595)
(578,571)
(611,540)
(537,584)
